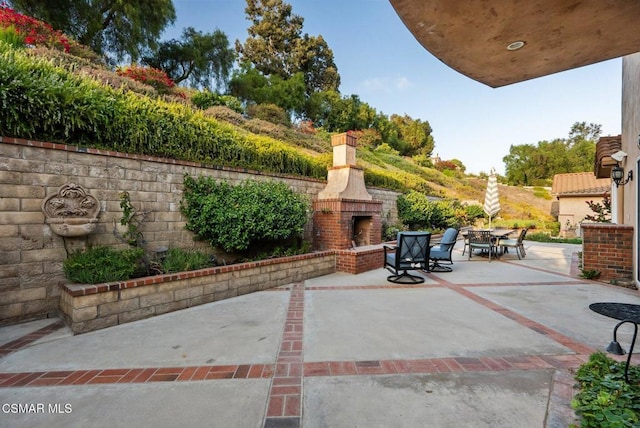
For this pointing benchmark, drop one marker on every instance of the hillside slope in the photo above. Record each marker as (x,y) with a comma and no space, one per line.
(383,168)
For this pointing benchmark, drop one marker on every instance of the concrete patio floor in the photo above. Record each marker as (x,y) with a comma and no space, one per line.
(491,344)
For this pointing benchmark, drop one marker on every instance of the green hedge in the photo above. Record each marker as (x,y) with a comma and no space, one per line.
(41,101)
(242,217)
(417,212)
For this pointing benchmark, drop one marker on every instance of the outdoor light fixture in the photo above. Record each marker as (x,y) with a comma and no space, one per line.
(514,46)
(617,174)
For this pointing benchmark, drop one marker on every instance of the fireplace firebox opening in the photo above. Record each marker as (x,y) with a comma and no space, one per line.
(361,230)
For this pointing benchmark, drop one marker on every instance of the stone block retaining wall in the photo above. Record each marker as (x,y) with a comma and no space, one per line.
(31,255)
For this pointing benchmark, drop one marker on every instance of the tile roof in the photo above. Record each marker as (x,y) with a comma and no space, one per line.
(579,183)
(605,147)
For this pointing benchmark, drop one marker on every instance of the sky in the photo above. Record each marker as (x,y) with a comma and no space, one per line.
(379,60)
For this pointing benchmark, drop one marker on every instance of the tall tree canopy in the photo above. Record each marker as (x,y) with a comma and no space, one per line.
(530,165)
(251,86)
(274,38)
(117,28)
(202,60)
(415,135)
(276,46)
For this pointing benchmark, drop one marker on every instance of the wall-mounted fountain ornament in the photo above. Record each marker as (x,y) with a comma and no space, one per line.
(71,212)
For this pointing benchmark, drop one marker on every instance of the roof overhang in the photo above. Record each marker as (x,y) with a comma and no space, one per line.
(472,37)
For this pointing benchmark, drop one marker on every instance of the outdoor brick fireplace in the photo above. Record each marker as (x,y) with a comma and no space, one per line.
(345,215)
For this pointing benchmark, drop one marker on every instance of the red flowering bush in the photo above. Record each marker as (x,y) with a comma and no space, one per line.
(147,75)
(34,32)
(444,165)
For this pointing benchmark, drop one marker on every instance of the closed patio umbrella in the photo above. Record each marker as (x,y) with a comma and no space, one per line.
(491,201)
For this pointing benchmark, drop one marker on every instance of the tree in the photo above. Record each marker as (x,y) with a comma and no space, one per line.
(415,135)
(116,28)
(202,60)
(274,38)
(277,47)
(252,87)
(518,164)
(582,145)
(529,165)
(459,164)
(582,131)
(316,62)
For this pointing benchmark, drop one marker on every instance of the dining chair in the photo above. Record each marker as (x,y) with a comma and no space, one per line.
(481,239)
(518,244)
(465,240)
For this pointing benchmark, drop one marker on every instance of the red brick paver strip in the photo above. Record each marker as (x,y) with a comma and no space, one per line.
(16,345)
(139,375)
(284,403)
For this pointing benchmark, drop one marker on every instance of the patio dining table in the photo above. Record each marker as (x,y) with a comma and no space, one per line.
(496,235)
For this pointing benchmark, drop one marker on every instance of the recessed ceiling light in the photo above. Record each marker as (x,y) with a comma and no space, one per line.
(514,46)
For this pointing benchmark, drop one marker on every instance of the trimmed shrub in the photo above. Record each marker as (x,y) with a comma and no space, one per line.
(418,212)
(269,112)
(207,99)
(236,218)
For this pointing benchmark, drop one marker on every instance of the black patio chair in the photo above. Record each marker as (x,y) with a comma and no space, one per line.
(442,252)
(410,253)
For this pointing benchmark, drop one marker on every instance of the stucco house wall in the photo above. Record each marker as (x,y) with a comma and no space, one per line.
(572,211)
(630,143)
(573,191)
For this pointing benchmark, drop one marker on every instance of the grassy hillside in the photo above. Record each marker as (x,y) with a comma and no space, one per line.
(218,134)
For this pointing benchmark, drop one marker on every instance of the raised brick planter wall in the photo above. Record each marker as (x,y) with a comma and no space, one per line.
(608,248)
(91,307)
(360,259)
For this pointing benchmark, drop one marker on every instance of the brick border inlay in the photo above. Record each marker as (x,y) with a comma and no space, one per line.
(17,344)
(136,375)
(284,403)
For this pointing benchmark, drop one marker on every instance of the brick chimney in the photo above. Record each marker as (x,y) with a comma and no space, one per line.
(344,214)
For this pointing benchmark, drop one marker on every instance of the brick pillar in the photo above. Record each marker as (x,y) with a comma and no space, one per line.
(608,248)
